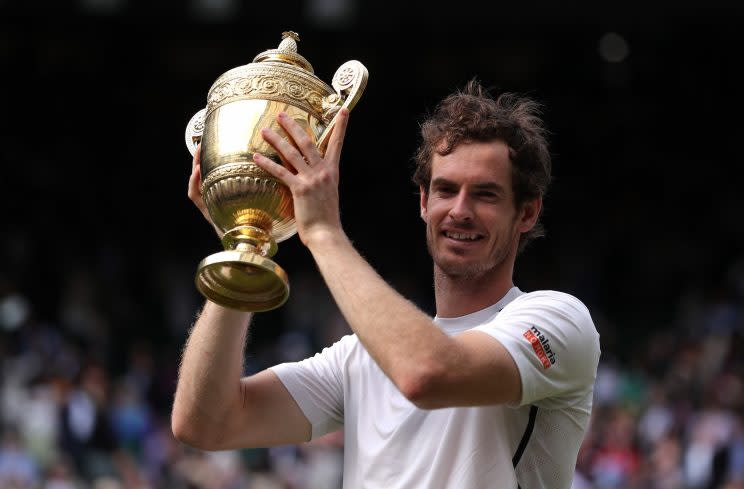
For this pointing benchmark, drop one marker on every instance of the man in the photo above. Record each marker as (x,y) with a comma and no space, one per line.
(495,392)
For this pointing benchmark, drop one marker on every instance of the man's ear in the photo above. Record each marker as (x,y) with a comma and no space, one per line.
(423,196)
(529,214)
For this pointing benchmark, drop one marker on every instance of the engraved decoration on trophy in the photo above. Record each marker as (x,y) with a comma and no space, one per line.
(253,209)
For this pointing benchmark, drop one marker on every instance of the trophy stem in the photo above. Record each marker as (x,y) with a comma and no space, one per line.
(243,276)
(246,248)
(252,239)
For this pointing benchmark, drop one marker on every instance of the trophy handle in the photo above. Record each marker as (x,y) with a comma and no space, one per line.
(194,130)
(349,81)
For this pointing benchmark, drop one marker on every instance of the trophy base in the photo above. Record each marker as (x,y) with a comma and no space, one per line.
(242,280)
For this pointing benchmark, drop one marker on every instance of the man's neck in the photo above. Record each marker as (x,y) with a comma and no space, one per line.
(458,296)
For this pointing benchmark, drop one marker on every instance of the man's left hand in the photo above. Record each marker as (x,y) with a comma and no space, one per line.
(312,178)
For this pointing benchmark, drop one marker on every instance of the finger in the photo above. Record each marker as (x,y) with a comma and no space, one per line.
(195,163)
(278,171)
(300,137)
(195,193)
(286,150)
(195,181)
(197,156)
(338,133)
(194,190)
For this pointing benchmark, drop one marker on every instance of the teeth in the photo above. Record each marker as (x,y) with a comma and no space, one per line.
(463,236)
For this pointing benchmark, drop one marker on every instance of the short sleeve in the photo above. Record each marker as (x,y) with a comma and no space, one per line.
(317,385)
(554,343)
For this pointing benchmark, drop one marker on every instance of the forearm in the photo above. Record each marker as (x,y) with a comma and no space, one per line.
(211,369)
(401,338)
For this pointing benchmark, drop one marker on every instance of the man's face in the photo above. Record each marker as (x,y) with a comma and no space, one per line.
(472,224)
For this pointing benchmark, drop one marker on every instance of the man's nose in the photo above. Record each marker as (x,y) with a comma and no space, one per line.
(462,207)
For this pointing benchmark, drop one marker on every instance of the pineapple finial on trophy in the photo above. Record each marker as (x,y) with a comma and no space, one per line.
(286,53)
(289,41)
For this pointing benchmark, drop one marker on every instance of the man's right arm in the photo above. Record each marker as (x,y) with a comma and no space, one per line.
(216,409)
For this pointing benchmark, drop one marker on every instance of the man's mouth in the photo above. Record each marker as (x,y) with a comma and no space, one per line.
(462,236)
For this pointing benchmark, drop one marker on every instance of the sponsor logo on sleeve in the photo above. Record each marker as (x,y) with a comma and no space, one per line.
(541,345)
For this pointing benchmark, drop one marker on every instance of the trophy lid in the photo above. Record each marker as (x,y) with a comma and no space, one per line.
(286,53)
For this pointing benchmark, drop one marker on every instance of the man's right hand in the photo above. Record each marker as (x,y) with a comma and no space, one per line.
(195,193)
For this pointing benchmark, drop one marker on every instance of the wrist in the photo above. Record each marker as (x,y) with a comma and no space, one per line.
(225,315)
(324,237)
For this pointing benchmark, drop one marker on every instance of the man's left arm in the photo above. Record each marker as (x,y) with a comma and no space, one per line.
(431,369)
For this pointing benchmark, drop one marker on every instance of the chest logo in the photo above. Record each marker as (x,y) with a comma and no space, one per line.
(541,345)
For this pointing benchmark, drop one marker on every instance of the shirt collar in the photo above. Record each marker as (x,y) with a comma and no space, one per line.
(468,321)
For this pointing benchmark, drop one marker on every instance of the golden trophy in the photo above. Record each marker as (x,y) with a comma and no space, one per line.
(252,208)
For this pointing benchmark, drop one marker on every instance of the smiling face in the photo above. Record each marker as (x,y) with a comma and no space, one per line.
(472,224)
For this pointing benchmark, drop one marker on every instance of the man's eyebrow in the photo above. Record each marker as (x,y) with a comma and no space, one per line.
(491,186)
(443,182)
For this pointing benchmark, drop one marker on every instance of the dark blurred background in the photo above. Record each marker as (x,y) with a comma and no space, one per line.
(100,242)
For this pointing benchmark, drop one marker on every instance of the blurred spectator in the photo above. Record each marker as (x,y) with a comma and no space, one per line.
(665,470)
(86,434)
(616,460)
(735,475)
(60,476)
(18,469)
(130,417)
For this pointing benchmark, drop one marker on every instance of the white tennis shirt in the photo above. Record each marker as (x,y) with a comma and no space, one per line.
(392,444)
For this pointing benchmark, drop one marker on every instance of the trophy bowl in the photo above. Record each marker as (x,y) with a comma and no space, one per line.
(253,209)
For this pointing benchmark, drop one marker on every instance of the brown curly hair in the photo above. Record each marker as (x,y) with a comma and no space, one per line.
(473,115)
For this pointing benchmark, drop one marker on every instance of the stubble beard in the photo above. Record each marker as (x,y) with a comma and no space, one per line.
(469,270)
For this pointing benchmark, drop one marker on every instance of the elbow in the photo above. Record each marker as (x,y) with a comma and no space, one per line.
(421,386)
(192,432)
(182,433)
(184,430)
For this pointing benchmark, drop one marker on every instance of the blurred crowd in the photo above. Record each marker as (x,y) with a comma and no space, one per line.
(671,416)
(84,403)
